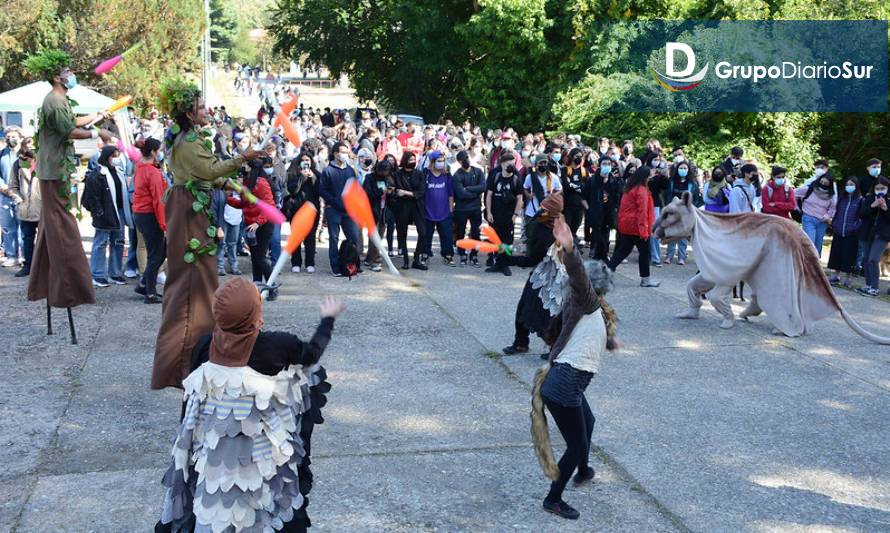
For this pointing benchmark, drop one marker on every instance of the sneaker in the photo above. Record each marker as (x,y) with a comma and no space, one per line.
(450,261)
(417,265)
(463,261)
(848,284)
(100,282)
(140,289)
(162,277)
(562,509)
(295,270)
(392,253)
(583,477)
(130,273)
(235,272)
(220,271)
(668,261)
(513,350)
(649,282)
(9,262)
(656,265)
(835,280)
(376,268)
(681,262)
(337,274)
(867,291)
(118,280)
(153,299)
(310,270)
(474,262)
(24,272)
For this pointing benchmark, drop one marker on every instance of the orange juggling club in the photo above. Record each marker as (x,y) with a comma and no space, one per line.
(289,105)
(481,246)
(301,226)
(356,202)
(491,234)
(289,130)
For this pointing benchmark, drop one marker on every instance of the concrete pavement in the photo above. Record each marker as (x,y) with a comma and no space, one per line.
(698,429)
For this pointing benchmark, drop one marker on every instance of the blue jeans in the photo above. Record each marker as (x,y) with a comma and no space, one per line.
(679,247)
(336,220)
(275,244)
(9,227)
(227,246)
(654,244)
(815,230)
(445,230)
(102,265)
(132,253)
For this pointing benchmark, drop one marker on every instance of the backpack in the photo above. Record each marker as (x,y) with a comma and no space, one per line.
(349,259)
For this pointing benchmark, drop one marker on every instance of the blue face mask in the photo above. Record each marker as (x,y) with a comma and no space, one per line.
(874,171)
(682,172)
(780,181)
(614,157)
(71,81)
(556,157)
(605,170)
(268,170)
(160,156)
(850,189)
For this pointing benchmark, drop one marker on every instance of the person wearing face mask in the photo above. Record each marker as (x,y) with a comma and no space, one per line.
(875,217)
(741,197)
(538,185)
(415,142)
(717,191)
(469,185)
(845,229)
(501,144)
(409,191)
(818,204)
(9,223)
(25,192)
(659,188)
(390,145)
(778,195)
(148,214)
(574,175)
(872,173)
(681,181)
(278,185)
(333,180)
(378,186)
(259,229)
(601,194)
(105,197)
(438,199)
(503,205)
(302,187)
(732,165)
(636,217)
(627,150)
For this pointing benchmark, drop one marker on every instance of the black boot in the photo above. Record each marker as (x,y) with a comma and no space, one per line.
(418,263)
(406,262)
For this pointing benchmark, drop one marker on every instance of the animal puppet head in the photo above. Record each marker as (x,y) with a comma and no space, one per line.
(677,220)
(600,276)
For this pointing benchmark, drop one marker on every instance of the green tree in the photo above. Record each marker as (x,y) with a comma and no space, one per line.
(224,30)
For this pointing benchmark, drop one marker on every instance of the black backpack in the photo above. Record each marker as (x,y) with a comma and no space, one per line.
(349,259)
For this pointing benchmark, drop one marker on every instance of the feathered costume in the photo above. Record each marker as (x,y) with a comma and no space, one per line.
(241,458)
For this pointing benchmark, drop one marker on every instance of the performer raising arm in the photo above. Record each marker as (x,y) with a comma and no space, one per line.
(191,228)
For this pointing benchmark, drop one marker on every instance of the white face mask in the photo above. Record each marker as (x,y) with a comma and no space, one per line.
(440,165)
(820,171)
(734,161)
(342,157)
(679,159)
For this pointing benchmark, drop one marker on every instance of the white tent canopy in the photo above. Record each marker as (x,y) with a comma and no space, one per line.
(30,97)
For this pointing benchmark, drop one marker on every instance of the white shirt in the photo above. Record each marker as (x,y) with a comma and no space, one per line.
(532,206)
(586,344)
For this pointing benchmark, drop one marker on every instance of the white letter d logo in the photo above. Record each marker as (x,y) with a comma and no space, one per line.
(670,48)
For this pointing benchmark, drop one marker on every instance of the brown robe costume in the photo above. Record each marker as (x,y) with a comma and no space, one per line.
(59,270)
(188,293)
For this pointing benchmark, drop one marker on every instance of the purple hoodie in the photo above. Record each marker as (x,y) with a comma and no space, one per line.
(438,196)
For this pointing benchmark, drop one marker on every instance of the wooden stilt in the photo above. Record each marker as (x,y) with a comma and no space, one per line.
(71,325)
(49,319)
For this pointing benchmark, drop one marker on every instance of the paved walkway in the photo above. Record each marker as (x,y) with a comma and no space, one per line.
(698,429)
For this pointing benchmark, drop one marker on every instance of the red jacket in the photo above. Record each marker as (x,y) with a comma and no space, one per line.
(783,197)
(148,192)
(636,214)
(252,213)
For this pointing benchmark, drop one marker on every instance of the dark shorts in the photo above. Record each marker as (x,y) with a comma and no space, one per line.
(565,385)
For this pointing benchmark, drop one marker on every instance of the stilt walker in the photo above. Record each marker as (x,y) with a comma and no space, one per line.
(191,228)
(60,273)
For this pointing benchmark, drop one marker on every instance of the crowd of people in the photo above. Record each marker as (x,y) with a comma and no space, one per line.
(445,180)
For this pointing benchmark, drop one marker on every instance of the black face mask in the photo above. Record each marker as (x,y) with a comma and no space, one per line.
(465,164)
(577,161)
(542,169)
(411,165)
(510,169)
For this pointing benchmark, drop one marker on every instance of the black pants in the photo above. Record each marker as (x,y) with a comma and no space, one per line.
(29,234)
(390,218)
(503,225)
(460,228)
(623,247)
(296,259)
(574,216)
(598,240)
(576,426)
(155,245)
(407,214)
(259,260)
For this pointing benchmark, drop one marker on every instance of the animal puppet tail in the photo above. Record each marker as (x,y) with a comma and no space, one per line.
(540,434)
(860,330)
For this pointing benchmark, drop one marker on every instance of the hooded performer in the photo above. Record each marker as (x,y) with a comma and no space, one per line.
(60,272)
(241,458)
(587,329)
(539,306)
(191,231)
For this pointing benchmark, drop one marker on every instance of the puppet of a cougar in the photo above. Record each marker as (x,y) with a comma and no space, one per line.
(771,254)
